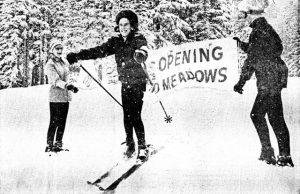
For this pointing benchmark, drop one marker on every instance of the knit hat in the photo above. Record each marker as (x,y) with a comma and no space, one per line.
(253,6)
(54,43)
(131,16)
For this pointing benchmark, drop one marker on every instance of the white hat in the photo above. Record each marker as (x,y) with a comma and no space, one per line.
(54,43)
(253,6)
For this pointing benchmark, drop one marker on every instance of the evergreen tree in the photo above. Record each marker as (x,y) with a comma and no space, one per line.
(211,19)
(19,18)
(289,32)
(169,20)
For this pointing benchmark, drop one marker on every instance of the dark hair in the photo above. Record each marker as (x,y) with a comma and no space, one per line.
(131,16)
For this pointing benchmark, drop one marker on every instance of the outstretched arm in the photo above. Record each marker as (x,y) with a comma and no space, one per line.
(104,50)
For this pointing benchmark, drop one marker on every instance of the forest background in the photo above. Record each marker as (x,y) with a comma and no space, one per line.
(28,26)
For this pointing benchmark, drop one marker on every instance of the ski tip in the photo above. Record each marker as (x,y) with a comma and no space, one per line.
(92,183)
(101,189)
(88,182)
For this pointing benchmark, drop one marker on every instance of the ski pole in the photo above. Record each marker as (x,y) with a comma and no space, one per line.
(101,85)
(168,118)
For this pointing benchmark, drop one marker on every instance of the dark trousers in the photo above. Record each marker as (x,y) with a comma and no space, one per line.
(132,100)
(58,117)
(271,104)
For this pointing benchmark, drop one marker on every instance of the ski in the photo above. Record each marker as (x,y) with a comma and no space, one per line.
(104,175)
(129,172)
(56,152)
(122,170)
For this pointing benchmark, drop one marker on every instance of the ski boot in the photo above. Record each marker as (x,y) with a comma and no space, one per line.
(49,148)
(143,154)
(129,150)
(285,161)
(58,147)
(267,155)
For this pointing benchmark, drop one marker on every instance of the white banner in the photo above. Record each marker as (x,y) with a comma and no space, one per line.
(212,63)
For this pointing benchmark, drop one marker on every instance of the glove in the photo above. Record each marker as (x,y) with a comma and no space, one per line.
(238,88)
(71,57)
(72,88)
(140,56)
(237,39)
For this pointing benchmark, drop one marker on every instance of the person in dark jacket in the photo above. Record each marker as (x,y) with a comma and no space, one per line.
(263,59)
(59,96)
(129,50)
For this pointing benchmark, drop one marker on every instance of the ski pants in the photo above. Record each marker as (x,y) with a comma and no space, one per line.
(132,100)
(58,117)
(271,104)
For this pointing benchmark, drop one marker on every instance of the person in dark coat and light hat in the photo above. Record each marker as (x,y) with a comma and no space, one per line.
(263,58)
(59,96)
(129,48)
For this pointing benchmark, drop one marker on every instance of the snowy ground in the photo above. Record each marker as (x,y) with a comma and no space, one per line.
(210,147)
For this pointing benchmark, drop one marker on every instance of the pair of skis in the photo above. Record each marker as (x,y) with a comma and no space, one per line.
(123,169)
(110,179)
(56,152)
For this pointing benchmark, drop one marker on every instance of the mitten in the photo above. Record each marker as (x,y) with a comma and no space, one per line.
(237,39)
(140,56)
(72,88)
(71,57)
(238,88)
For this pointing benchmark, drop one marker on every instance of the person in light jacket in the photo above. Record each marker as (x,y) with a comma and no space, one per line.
(263,58)
(130,50)
(59,96)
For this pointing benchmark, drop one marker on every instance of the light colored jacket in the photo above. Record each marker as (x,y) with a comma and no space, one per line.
(57,72)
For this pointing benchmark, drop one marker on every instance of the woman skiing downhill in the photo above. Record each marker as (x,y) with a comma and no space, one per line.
(263,59)
(59,96)
(129,50)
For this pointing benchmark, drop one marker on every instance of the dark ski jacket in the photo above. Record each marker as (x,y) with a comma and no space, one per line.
(263,58)
(130,72)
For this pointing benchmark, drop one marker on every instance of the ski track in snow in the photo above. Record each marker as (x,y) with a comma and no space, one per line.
(210,147)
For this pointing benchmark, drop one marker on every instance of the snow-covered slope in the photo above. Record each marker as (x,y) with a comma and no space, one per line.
(210,147)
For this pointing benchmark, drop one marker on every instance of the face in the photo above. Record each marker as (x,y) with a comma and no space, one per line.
(124,27)
(244,19)
(249,19)
(240,17)
(57,51)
